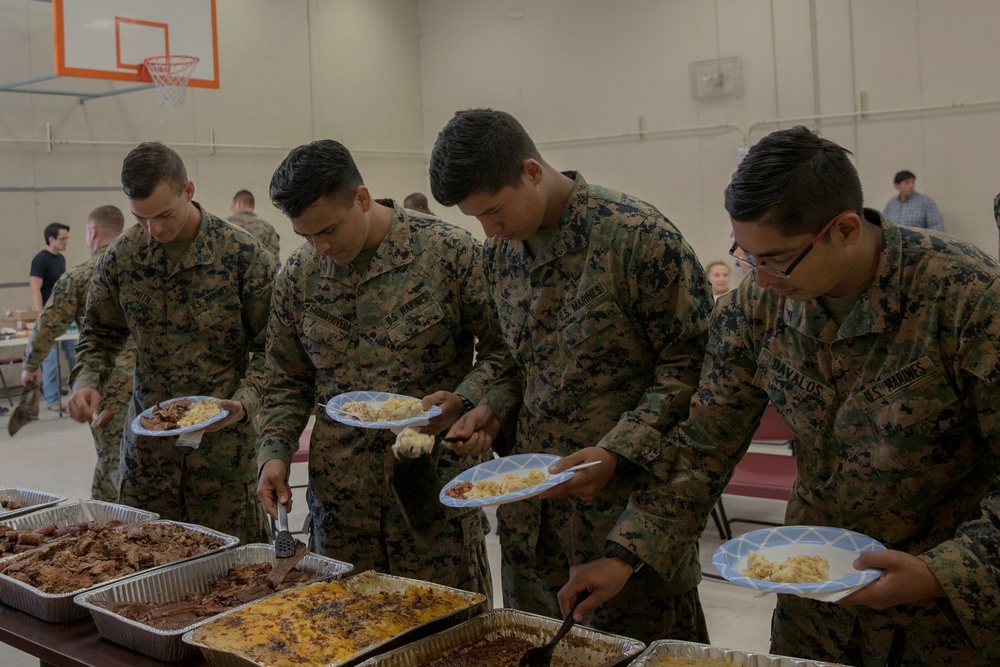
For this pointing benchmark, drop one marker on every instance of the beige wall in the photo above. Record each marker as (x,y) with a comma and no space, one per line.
(291,71)
(578,68)
(384,75)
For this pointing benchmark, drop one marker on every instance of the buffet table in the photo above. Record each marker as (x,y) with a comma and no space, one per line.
(75,644)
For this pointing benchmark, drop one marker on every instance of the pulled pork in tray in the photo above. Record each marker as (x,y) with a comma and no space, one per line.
(10,505)
(241,585)
(19,541)
(165,417)
(106,553)
(499,652)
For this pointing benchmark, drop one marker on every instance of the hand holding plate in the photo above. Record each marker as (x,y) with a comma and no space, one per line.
(585,484)
(905,579)
(236,414)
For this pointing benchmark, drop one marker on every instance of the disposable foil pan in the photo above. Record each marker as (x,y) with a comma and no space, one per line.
(67,515)
(174,582)
(369,583)
(679,649)
(582,647)
(60,608)
(32,501)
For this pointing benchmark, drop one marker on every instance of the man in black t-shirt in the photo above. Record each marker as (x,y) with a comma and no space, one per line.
(46,268)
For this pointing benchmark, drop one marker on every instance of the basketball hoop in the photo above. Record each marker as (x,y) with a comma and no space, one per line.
(170,75)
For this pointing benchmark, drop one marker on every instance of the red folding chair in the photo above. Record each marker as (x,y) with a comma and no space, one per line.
(760,475)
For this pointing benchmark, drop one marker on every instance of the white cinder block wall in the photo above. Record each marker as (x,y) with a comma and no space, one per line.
(384,75)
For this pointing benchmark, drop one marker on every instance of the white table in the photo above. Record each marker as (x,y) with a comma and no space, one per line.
(69,335)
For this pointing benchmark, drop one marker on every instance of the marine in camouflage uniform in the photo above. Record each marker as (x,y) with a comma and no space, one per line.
(406,325)
(195,326)
(608,326)
(260,229)
(67,306)
(892,392)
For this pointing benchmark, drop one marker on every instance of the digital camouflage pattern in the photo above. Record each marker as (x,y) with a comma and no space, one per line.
(260,229)
(608,327)
(195,328)
(896,418)
(67,306)
(406,326)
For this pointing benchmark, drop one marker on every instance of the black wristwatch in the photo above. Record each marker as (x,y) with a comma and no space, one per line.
(615,550)
(469,405)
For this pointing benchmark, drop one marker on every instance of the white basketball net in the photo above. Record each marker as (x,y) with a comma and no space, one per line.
(170,75)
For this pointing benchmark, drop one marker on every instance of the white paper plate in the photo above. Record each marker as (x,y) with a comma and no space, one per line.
(838,546)
(519,464)
(139,430)
(375,399)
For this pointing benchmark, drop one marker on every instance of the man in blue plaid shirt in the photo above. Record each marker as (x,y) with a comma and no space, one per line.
(910,208)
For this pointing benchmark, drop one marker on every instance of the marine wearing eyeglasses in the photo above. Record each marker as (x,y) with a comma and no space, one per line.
(877,346)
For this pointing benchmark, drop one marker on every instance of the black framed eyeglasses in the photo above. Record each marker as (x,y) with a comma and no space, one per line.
(749,260)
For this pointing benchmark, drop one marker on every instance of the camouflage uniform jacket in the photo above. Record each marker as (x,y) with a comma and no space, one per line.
(896,417)
(406,326)
(608,326)
(195,326)
(260,229)
(66,307)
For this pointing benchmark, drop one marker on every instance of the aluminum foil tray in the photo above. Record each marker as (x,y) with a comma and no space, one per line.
(369,582)
(174,582)
(679,649)
(32,501)
(67,515)
(582,647)
(60,608)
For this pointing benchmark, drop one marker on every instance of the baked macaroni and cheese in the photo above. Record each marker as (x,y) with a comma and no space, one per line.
(324,623)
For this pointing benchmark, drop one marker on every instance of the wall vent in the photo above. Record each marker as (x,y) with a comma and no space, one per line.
(720,79)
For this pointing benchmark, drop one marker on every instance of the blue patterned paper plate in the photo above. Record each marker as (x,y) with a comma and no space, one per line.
(519,464)
(375,399)
(838,546)
(139,430)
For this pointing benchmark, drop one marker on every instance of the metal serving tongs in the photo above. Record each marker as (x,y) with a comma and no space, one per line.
(284,543)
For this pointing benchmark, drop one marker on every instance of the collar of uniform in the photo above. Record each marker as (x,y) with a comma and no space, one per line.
(99,251)
(395,250)
(202,251)
(877,309)
(571,229)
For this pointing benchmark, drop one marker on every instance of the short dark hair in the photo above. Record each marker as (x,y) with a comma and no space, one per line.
(415,199)
(244,197)
(795,181)
(52,230)
(322,168)
(149,164)
(479,150)
(904,175)
(108,218)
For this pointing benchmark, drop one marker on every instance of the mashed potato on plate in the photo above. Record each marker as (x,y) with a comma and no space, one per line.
(798,569)
(199,412)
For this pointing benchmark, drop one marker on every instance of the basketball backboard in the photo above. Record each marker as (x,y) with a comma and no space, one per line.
(109,39)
